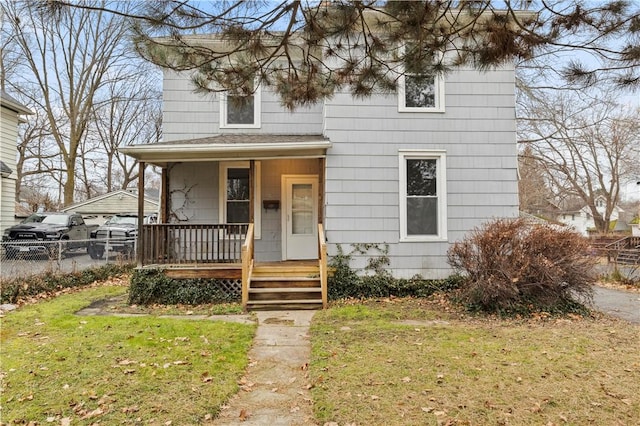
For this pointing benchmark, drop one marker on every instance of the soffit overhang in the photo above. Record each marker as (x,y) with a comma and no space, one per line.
(230,147)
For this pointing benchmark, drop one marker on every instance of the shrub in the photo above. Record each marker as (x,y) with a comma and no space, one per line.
(150,286)
(513,265)
(12,291)
(375,280)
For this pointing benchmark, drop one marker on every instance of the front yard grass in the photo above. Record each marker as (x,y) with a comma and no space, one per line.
(412,361)
(59,368)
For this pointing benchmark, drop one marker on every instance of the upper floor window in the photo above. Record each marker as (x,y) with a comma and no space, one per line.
(240,112)
(423,204)
(420,90)
(420,93)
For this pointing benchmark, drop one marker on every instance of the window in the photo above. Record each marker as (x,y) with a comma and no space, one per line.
(240,112)
(234,194)
(420,93)
(423,205)
(237,188)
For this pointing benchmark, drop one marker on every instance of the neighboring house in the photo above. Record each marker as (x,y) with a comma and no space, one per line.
(545,210)
(10,111)
(98,209)
(581,219)
(416,174)
(635,226)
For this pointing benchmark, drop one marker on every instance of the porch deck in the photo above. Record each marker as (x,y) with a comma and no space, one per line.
(226,270)
(226,252)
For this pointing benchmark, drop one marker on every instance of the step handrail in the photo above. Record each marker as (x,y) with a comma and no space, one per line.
(247,265)
(322,254)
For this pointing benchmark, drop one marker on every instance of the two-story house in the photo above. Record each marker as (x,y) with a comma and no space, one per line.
(581,217)
(416,170)
(10,111)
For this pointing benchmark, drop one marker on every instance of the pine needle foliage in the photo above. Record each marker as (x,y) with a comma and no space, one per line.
(309,50)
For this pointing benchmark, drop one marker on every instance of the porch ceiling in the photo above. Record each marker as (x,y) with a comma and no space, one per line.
(230,147)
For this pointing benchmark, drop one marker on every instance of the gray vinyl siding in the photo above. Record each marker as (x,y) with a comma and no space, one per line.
(362,201)
(8,141)
(477,132)
(193,193)
(188,115)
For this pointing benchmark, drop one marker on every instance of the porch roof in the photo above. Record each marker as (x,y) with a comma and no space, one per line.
(230,147)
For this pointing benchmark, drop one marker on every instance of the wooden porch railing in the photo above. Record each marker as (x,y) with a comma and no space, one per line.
(623,244)
(322,254)
(175,243)
(247,265)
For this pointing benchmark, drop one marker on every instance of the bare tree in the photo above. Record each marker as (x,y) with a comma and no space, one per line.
(131,113)
(9,55)
(67,60)
(307,50)
(535,195)
(586,146)
(35,155)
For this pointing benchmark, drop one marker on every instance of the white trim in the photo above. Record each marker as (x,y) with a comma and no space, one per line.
(168,152)
(284,203)
(439,97)
(257,109)
(441,188)
(257,197)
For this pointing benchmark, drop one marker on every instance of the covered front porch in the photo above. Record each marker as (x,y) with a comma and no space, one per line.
(240,210)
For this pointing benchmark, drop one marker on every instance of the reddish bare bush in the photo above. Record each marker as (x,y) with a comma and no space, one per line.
(513,263)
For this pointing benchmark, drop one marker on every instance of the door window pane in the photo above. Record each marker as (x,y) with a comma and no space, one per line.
(302,208)
(302,196)
(302,223)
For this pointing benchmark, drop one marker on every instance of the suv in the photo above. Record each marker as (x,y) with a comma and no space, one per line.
(117,234)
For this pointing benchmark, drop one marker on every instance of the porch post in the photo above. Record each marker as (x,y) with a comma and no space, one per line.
(164,196)
(139,252)
(321,166)
(252,192)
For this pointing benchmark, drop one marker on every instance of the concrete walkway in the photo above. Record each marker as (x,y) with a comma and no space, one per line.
(617,303)
(275,389)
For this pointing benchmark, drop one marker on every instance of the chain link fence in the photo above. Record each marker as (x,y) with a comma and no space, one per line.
(21,259)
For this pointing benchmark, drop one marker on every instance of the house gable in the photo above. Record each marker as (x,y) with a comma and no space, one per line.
(96,210)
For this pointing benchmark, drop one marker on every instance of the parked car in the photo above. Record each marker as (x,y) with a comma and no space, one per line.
(117,234)
(47,233)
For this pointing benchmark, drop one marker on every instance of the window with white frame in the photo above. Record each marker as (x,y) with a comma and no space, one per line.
(420,91)
(240,112)
(235,193)
(423,200)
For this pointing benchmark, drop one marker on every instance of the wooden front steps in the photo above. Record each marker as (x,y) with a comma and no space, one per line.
(629,256)
(285,286)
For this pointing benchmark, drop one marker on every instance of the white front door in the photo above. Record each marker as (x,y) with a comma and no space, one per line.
(300,217)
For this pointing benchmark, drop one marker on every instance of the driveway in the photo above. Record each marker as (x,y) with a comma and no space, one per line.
(618,303)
